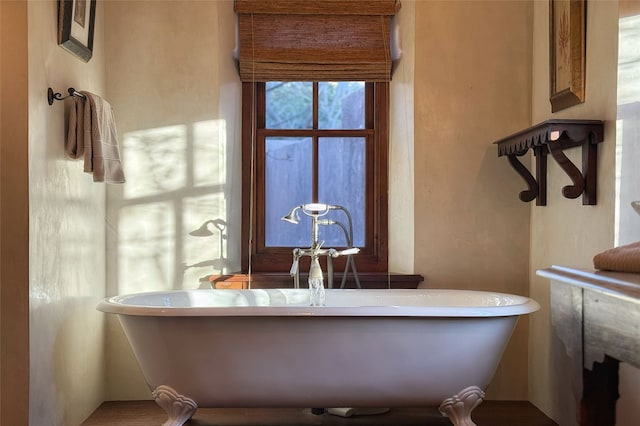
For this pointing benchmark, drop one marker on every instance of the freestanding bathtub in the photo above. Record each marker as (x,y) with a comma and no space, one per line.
(366,348)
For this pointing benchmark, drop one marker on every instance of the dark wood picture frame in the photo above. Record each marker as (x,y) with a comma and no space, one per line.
(76,21)
(567,52)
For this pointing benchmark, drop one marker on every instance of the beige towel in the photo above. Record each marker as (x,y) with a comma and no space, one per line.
(622,259)
(74,144)
(101,153)
(92,134)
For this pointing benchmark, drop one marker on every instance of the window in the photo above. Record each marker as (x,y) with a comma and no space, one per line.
(315,149)
(314,142)
(314,124)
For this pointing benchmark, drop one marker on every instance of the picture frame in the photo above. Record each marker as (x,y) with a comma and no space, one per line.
(567,52)
(76,21)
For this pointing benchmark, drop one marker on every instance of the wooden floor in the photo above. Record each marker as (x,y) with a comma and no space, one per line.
(147,413)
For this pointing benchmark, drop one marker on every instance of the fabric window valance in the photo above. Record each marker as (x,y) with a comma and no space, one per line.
(332,40)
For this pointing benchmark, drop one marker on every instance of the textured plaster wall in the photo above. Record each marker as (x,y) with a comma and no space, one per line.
(173,82)
(472,87)
(401,151)
(565,232)
(66,235)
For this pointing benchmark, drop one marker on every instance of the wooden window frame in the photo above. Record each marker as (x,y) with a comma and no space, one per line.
(258,258)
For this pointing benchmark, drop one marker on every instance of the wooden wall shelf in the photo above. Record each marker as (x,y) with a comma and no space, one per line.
(554,136)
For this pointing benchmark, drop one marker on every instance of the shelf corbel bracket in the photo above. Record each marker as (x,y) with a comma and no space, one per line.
(583,182)
(537,188)
(590,169)
(555,136)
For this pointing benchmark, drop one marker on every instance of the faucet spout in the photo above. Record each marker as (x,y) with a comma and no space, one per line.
(316,283)
(315,271)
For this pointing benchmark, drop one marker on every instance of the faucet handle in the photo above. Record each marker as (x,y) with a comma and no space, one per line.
(352,250)
(294,268)
(345,252)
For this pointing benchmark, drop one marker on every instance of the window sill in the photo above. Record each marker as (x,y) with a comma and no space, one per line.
(369,280)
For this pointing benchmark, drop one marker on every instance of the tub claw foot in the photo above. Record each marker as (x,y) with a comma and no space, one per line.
(458,408)
(178,407)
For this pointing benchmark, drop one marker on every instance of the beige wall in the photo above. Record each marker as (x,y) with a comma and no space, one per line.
(66,235)
(14,215)
(401,146)
(565,232)
(173,82)
(472,87)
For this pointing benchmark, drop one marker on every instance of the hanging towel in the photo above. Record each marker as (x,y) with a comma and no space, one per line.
(74,144)
(101,153)
(622,259)
(92,136)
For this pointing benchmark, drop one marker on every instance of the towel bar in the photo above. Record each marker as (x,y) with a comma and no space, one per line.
(51,96)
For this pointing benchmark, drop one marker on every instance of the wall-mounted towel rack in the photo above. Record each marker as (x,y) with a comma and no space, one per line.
(54,96)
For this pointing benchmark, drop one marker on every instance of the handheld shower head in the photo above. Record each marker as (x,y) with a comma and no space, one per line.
(292,216)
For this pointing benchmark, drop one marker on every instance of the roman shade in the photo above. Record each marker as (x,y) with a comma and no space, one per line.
(302,40)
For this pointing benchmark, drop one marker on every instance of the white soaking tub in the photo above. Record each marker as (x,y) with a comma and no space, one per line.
(366,348)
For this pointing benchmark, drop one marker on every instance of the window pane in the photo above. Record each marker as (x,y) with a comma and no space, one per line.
(341,181)
(289,105)
(289,174)
(341,105)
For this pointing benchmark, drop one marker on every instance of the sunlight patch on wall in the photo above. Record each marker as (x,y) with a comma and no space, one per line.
(209,153)
(172,219)
(155,161)
(145,247)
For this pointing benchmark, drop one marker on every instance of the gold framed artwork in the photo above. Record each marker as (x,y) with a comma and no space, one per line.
(567,49)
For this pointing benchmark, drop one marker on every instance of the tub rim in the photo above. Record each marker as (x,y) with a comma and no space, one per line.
(115,305)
